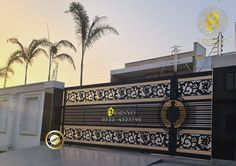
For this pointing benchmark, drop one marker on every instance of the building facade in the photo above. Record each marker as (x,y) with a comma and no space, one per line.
(187,62)
(224,107)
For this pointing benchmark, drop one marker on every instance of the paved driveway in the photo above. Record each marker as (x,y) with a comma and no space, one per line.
(88,156)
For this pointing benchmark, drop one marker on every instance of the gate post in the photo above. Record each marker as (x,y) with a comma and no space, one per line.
(173,131)
(52,107)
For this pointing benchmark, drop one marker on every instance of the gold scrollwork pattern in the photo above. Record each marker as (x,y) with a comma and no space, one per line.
(164,118)
(182,113)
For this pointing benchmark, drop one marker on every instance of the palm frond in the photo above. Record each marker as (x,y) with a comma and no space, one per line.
(2,72)
(15,57)
(10,70)
(96,22)
(16,41)
(2,69)
(7,71)
(65,43)
(31,48)
(98,32)
(18,55)
(34,45)
(65,56)
(18,60)
(38,52)
(44,42)
(81,19)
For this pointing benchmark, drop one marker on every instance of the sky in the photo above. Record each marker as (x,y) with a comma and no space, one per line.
(147,29)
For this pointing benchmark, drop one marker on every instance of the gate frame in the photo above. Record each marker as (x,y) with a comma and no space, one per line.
(173,80)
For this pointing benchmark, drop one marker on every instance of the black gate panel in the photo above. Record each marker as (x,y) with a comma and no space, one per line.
(170,115)
(137,115)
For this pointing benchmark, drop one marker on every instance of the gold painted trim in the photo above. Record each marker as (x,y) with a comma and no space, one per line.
(207,132)
(116,128)
(119,144)
(197,97)
(193,151)
(195,78)
(117,101)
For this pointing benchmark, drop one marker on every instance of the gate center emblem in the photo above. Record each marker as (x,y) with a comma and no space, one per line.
(173,113)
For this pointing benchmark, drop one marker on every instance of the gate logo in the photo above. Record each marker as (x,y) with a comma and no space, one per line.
(54,140)
(173,114)
(212,21)
(110,111)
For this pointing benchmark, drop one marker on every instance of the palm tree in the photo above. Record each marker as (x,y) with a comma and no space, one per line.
(31,52)
(7,70)
(53,54)
(1,73)
(86,33)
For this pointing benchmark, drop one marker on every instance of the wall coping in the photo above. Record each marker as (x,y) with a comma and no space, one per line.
(31,87)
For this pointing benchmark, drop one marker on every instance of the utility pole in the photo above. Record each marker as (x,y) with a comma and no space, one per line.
(54,72)
(220,44)
(48,33)
(175,52)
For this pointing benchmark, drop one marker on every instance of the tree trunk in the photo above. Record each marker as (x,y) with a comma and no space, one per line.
(26,72)
(5,79)
(49,68)
(82,66)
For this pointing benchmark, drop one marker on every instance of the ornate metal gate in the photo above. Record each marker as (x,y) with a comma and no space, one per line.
(170,115)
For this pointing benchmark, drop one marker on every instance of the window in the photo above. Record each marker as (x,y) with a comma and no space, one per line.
(230,81)
(3,114)
(30,115)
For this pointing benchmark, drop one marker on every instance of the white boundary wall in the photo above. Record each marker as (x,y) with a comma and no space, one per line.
(21,112)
